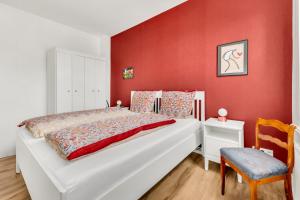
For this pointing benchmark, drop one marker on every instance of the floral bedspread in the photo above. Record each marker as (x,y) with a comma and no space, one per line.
(40,126)
(76,141)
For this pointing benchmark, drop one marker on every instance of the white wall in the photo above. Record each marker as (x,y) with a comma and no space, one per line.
(24,41)
(296,96)
(105,46)
(296,174)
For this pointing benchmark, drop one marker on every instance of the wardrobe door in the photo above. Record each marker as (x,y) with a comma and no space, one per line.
(64,82)
(100,84)
(90,83)
(78,82)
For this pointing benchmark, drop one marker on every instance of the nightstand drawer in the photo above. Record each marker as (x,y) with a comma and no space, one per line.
(213,146)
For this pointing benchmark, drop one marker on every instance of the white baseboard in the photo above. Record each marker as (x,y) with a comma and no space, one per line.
(9,154)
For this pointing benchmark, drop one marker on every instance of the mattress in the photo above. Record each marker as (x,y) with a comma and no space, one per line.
(97,174)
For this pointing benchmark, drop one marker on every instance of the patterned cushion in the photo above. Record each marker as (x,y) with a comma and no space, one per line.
(177,104)
(256,164)
(142,101)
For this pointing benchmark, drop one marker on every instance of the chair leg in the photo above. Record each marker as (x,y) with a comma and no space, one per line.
(288,187)
(253,190)
(223,172)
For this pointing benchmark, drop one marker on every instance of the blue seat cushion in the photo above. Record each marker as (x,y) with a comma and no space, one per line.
(256,164)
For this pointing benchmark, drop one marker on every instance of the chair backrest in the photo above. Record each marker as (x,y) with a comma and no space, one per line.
(286,128)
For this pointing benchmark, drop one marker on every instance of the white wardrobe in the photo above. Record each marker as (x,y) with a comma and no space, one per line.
(75,82)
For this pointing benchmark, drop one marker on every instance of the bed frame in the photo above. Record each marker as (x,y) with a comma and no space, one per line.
(41,184)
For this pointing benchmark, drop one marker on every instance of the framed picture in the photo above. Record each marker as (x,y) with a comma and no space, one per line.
(233,59)
(128,73)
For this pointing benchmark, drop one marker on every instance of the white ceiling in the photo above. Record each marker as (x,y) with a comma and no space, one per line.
(96,16)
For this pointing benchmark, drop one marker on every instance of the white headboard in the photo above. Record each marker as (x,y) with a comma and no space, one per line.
(199,100)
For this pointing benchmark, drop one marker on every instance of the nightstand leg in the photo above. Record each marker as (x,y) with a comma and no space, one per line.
(206,164)
(240,179)
(18,170)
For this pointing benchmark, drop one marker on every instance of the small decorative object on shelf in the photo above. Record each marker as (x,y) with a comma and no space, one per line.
(222,114)
(119,103)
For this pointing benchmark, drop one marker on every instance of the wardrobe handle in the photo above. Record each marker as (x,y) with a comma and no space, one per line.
(69,91)
(75,90)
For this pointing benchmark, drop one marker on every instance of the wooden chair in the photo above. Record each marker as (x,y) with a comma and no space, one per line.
(258,168)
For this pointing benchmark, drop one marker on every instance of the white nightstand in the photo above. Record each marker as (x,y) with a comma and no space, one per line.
(221,134)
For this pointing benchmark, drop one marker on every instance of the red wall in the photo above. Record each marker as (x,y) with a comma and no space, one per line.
(177,51)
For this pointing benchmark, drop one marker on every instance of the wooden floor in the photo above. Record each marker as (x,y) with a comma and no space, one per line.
(12,186)
(188,181)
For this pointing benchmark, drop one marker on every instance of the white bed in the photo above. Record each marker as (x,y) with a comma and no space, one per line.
(125,171)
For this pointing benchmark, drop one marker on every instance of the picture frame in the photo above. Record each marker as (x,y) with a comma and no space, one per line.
(128,73)
(233,59)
